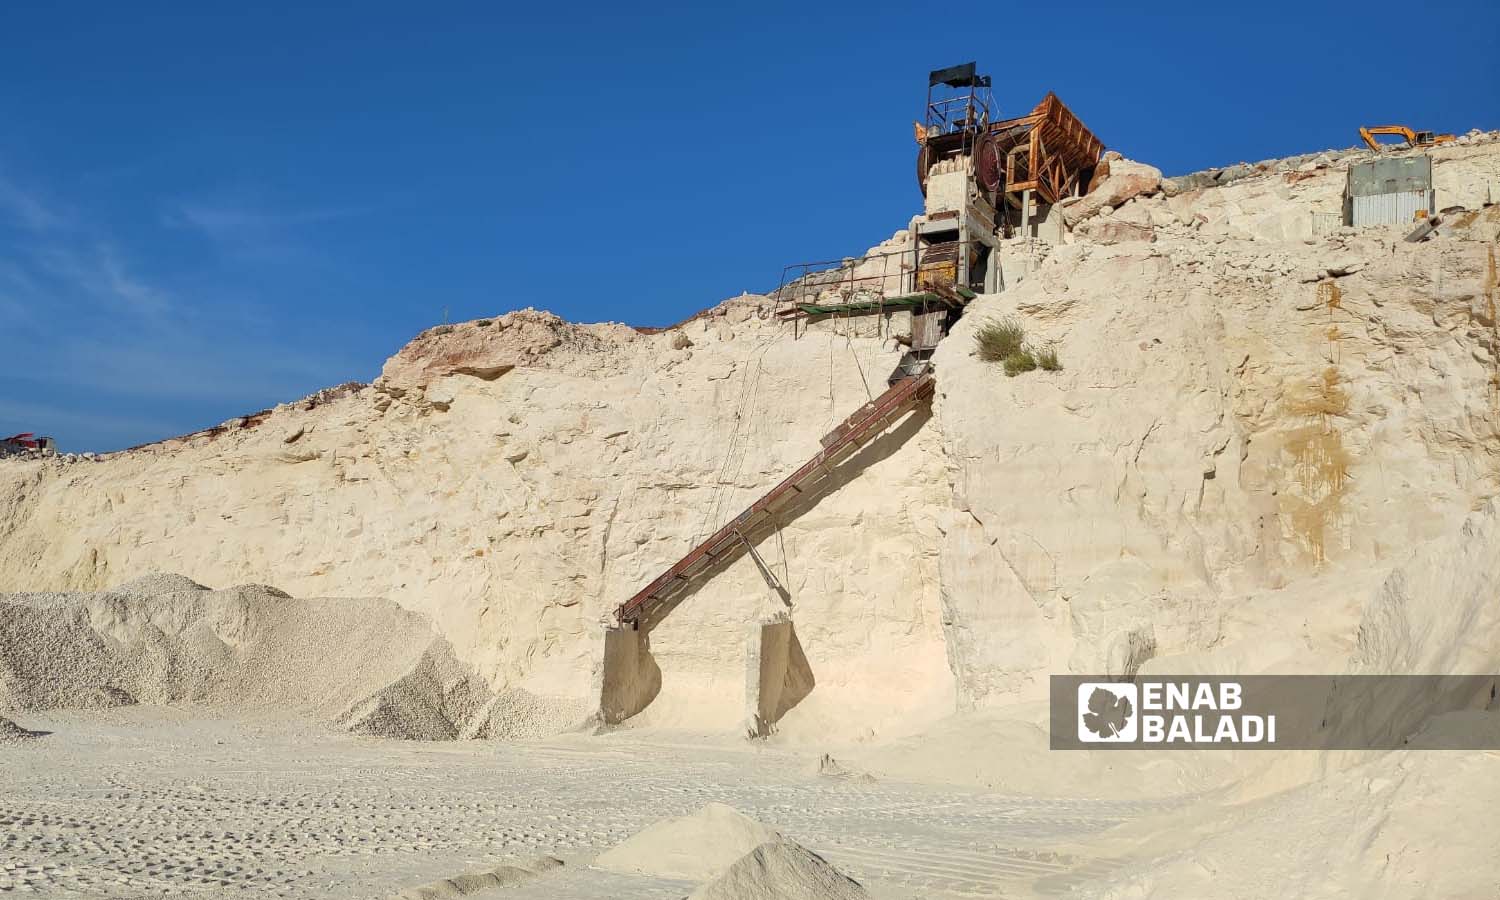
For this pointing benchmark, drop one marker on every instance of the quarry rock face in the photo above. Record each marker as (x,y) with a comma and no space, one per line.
(1124,180)
(518,511)
(1212,444)
(1253,426)
(488,348)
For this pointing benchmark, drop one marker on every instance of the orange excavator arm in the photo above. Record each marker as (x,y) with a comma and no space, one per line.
(1368,132)
(1412,138)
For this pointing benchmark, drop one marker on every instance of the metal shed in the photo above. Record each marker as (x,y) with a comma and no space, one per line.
(1391,191)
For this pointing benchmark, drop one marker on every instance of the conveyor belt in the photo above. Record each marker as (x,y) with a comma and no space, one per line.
(849,436)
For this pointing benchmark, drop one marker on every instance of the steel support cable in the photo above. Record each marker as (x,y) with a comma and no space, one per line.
(745,381)
(740,449)
(830,420)
(747,384)
(862,378)
(749,390)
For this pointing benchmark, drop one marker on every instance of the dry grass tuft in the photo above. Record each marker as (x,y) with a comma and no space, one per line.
(999,340)
(1018,362)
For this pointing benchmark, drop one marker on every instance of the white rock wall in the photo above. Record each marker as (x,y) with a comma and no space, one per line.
(1226,467)
(518,509)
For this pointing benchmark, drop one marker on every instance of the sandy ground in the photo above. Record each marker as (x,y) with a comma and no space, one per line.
(153,801)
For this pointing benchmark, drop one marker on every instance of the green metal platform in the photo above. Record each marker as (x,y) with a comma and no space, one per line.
(905,301)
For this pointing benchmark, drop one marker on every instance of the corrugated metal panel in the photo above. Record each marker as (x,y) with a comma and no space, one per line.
(1390,209)
(1392,175)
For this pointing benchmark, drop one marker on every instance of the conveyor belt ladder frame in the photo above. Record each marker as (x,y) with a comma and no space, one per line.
(851,434)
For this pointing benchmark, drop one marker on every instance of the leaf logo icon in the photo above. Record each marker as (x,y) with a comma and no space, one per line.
(1107,712)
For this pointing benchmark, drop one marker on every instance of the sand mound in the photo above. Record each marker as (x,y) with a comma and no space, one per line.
(695,848)
(518,715)
(781,870)
(11,733)
(828,767)
(508,875)
(374,667)
(432,702)
(1407,825)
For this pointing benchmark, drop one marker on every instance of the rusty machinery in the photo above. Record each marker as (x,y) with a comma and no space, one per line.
(977,175)
(982,179)
(959,170)
(1047,154)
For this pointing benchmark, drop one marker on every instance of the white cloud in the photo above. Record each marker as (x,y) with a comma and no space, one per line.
(92,335)
(254,233)
(98,272)
(138,294)
(171,363)
(220,220)
(27,209)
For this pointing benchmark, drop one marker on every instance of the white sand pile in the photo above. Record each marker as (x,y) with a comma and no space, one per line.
(828,767)
(1411,824)
(694,848)
(11,733)
(508,875)
(375,667)
(781,870)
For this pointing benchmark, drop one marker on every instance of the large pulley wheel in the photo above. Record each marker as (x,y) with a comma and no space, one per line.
(924,163)
(988,171)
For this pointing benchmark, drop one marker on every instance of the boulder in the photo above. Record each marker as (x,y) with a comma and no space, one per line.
(1115,231)
(1126,179)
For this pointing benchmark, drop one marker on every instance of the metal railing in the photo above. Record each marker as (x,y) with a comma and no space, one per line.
(965,112)
(1325,223)
(874,277)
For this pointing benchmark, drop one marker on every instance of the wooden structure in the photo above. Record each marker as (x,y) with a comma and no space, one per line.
(1048,151)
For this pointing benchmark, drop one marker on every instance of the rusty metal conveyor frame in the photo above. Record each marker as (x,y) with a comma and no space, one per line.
(849,436)
(1047,150)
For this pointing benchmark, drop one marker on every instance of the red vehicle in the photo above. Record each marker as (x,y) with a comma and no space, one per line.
(27,442)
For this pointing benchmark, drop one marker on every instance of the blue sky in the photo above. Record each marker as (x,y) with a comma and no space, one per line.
(207,209)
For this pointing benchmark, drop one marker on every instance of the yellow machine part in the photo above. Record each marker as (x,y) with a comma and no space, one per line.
(939,267)
(1413,138)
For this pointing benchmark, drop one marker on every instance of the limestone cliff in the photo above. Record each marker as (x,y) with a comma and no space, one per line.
(1254,423)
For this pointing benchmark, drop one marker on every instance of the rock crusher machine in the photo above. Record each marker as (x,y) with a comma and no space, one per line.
(982,179)
(959,172)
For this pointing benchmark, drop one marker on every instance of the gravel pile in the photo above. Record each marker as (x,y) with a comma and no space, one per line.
(11,733)
(369,665)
